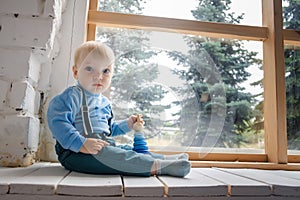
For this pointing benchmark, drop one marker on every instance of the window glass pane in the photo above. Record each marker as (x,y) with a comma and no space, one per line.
(247,12)
(194,92)
(292,67)
(291,14)
(291,20)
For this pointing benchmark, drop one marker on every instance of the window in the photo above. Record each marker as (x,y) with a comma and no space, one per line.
(292,78)
(200,85)
(236,12)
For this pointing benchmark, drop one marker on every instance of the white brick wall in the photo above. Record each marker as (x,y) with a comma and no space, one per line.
(27,34)
(44,8)
(22,97)
(35,57)
(14,63)
(15,31)
(4,88)
(19,73)
(27,7)
(15,144)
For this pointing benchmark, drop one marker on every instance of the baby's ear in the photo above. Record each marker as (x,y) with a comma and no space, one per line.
(75,72)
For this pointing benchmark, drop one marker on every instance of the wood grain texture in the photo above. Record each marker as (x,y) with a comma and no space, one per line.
(143,186)
(209,29)
(281,185)
(194,184)
(274,83)
(237,185)
(7,175)
(41,181)
(79,184)
(51,181)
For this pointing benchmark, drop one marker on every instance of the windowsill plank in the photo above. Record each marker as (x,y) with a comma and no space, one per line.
(194,184)
(10,174)
(239,186)
(52,181)
(80,184)
(142,187)
(42,181)
(281,186)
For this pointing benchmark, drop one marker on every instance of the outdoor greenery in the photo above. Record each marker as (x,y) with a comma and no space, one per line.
(291,17)
(216,110)
(216,68)
(131,92)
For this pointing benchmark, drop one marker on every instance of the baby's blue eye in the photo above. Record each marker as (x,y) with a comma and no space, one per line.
(89,68)
(106,71)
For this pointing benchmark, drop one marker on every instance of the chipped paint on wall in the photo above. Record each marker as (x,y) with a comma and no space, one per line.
(28,30)
(9,160)
(35,54)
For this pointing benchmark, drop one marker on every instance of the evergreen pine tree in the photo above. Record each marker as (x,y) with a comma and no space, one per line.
(291,17)
(215,69)
(131,92)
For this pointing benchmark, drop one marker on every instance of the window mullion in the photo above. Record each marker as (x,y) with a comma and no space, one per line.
(208,29)
(91,28)
(274,83)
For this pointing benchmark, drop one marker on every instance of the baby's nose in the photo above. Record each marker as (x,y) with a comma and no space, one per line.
(98,75)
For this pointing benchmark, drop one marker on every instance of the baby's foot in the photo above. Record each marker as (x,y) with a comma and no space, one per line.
(181,156)
(179,168)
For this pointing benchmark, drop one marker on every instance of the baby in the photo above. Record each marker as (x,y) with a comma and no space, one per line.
(81,121)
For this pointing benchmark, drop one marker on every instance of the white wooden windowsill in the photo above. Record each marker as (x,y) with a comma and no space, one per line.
(50,181)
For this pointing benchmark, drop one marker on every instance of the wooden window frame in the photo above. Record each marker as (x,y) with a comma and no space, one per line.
(273,37)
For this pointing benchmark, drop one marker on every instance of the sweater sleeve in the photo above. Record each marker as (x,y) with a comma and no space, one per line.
(61,116)
(120,128)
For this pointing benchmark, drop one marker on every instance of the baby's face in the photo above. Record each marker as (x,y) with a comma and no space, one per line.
(93,74)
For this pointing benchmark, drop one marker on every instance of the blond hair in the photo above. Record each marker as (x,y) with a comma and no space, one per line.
(99,49)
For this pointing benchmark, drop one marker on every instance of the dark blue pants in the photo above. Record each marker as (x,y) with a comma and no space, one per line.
(110,160)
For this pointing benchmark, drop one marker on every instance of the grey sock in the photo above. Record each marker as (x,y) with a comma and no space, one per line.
(181,156)
(179,168)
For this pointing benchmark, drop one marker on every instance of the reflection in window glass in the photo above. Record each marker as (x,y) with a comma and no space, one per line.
(291,20)
(290,12)
(246,12)
(292,67)
(193,92)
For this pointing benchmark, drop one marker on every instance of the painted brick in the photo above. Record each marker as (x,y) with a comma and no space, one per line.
(10,127)
(32,7)
(25,31)
(22,97)
(35,66)
(5,85)
(14,63)
(19,64)
(52,7)
(36,25)
(18,139)
(26,7)
(33,133)
(44,80)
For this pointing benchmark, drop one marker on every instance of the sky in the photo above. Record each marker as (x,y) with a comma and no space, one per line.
(181,9)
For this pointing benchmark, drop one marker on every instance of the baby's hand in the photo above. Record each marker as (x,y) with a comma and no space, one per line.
(93,146)
(136,122)
(139,124)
